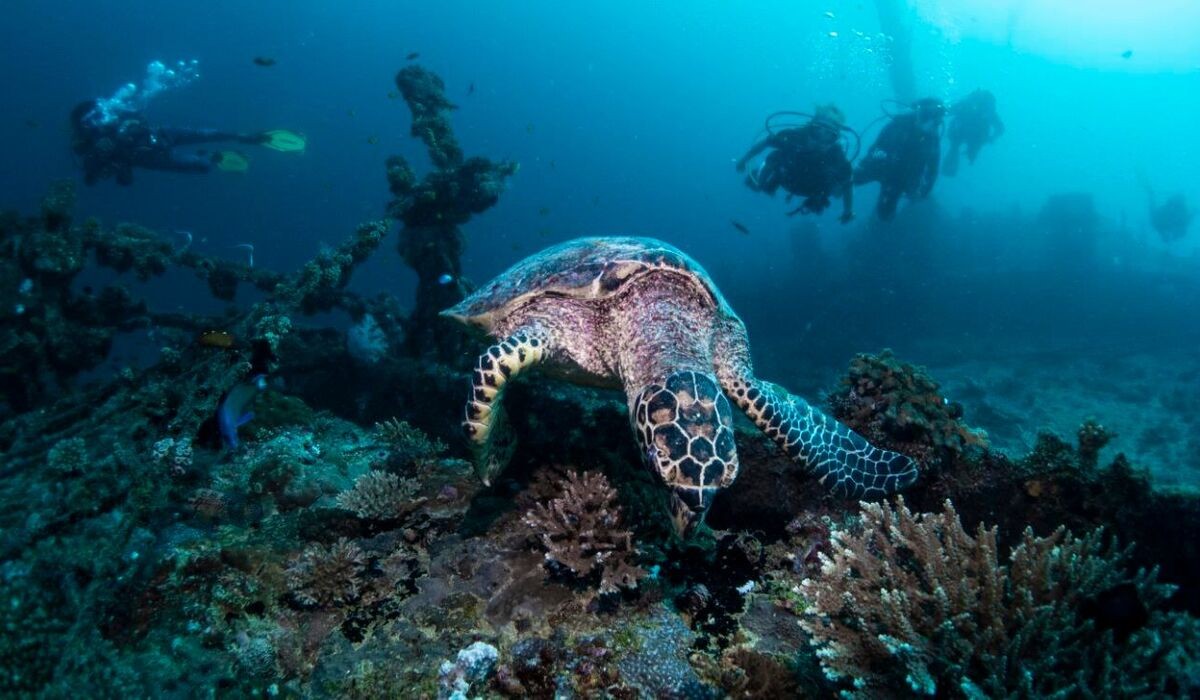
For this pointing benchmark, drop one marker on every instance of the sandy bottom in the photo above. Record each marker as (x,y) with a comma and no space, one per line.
(1151,400)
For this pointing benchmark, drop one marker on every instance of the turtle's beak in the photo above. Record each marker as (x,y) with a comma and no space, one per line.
(683,516)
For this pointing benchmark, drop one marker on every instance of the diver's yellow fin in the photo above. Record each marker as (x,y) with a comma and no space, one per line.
(232,162)
(284,140)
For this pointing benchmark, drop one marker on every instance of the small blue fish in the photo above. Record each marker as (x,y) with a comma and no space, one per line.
(232,413)
(446,278)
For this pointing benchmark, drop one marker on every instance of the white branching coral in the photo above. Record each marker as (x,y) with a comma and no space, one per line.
(379,496)
(912,604)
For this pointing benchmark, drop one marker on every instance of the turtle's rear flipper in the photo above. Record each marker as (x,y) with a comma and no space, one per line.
(840,458)
(485,424)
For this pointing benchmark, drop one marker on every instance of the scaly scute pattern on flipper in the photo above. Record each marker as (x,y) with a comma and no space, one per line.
(484,422)
(840,458)
(686,429)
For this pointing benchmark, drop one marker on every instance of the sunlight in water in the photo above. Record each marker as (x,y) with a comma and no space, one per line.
(1150,35)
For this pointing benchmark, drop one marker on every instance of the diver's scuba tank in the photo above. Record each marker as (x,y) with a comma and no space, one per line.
(844,133)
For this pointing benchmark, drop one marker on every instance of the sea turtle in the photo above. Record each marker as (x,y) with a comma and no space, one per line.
(639,314)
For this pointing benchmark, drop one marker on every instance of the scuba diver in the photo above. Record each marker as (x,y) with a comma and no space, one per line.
(808,161)
(111,136)
(973,122)
(1172,218)
(904,158)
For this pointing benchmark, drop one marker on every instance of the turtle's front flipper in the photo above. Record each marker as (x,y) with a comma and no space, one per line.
(485,424)
(840,458)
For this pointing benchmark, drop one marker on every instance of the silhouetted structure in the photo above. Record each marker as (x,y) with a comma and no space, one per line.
(433,210)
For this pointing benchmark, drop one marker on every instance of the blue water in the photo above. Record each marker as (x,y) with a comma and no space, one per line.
(626,119)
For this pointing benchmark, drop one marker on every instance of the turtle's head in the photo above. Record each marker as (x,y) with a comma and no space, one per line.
(685,427)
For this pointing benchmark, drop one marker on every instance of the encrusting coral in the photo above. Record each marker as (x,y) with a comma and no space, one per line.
(914,602)
(1092,438)
(433,209)
(327,576)
(896,405)
(581,530)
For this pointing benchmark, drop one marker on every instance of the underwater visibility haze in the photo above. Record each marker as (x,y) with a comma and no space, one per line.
(613,350)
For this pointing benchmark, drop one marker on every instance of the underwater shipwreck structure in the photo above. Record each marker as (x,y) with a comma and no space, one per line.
(156,541)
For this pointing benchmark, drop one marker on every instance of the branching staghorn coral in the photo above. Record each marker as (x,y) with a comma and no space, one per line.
(581,530)
(914,602)
(379,496)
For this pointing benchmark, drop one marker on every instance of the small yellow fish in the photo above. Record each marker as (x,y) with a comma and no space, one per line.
(544,211)
(216,339)
(393,95)
(372,140)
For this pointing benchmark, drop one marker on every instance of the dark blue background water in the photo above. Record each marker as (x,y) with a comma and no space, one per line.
(626,119)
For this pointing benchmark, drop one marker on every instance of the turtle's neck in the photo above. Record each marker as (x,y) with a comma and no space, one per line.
(661,327)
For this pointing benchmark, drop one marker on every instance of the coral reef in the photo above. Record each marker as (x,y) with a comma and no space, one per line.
(581,531)
(896,405)
(473,665)
(325,576)
(1092,438)
(914,602)
(406,445)
(380,496)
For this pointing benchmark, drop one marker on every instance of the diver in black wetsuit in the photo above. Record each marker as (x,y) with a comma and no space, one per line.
(114,148)
(807,161)
(904,158)
(973,122)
